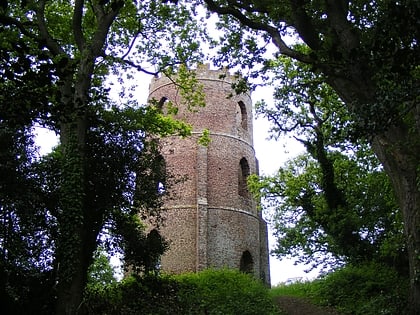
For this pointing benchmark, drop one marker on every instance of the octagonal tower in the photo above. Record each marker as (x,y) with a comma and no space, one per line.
(212,219)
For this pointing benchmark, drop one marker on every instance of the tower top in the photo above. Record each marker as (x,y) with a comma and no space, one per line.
(203,72)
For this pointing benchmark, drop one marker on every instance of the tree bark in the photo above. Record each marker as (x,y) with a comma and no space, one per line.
(399,152)
(71,273)
(76,241)
(398,149)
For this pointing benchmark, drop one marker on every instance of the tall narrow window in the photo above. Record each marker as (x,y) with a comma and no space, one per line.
(165,106)
(150,178)
(157,242)
(244,115)
(243,174)
(161,102)
(247,263)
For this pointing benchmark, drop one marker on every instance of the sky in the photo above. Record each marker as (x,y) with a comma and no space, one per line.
(271,155)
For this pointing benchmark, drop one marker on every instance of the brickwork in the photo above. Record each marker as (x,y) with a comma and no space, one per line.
(212,220)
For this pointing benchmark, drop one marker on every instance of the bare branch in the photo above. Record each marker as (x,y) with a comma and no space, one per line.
(133,41)
(133,65)
(276,122)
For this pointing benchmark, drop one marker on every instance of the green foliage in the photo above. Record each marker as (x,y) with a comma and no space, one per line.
(61,53)
(204,138)
(299,289)
(208,292)
(223,292)
(191,90)
(371,288)
(307,228)
(364,289)
(327,203)
(148,295)
(100,272)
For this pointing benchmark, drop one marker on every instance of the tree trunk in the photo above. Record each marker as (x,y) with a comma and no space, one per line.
(71,267)
(399,150)
(72,253)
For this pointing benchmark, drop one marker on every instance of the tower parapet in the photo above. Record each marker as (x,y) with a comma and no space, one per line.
(202,72)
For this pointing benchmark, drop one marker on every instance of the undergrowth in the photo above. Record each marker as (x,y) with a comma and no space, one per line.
(368,289)
(210,292)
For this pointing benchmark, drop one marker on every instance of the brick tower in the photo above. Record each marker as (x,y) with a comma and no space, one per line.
(211,219)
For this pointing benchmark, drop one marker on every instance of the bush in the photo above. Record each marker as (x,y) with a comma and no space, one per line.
(226,292)
(366,289)
(148,295)
(209,292)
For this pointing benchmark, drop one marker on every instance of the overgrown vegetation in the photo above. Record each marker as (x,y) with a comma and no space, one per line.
(368,289)
(211,292)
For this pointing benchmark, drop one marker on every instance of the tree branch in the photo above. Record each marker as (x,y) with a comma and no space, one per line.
(77,24)
(259,26)
(135,66)
(345,33)
(52,45)
(303,23)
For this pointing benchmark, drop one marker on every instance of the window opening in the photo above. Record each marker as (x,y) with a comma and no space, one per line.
(242,178)
(247,263)
(244,115)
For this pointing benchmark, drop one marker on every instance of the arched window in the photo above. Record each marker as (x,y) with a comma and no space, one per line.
(247,263)
(244,115)
(157,243)
(160,169)
(150,177)
(161,102)
(165,106)
(243,174)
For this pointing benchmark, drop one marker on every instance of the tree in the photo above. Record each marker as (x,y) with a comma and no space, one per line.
(327,202)
(60,53)
(101,272)
(369,54)
(366,229)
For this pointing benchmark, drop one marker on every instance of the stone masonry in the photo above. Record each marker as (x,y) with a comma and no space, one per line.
(211,218)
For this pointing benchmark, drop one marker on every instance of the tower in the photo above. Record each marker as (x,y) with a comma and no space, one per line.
(211,219)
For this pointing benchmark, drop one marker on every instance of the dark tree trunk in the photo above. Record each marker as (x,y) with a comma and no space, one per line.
(399,151)
(74,246)
(71,268)
(398,148)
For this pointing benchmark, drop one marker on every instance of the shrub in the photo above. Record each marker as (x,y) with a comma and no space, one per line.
(148,295)
(224,292)
(209,292)
(366,289)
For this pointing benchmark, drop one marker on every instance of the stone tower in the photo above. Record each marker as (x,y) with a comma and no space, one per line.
(211,219)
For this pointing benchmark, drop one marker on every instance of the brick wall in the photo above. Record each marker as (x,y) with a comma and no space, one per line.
(210,223)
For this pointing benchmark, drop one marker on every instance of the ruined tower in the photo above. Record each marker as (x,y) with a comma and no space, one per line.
(212,220)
